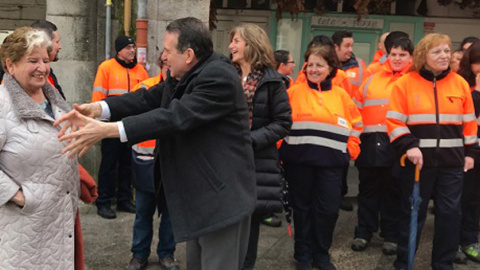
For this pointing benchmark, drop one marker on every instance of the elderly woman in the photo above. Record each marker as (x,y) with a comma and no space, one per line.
(39,187)
(324,137)
(470,71)
(270,120)
(431,119)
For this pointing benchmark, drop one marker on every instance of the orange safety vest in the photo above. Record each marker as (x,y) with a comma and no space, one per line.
(435,114)
(341,80)
(113,79)
(146,147)
(325,124)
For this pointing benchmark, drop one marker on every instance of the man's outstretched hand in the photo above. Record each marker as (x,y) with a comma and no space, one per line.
(93,110)
(84,131)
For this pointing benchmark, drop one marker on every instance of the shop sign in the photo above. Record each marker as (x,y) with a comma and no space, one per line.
(347,22)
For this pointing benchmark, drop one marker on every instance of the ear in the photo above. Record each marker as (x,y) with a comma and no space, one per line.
(10,66)
(190,56)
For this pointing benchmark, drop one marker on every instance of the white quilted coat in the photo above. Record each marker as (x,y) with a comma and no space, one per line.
(40,235)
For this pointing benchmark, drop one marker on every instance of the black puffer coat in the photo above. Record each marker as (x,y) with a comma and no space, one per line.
(271,122)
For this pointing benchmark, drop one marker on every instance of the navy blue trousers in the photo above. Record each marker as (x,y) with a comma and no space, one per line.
(115,172)
(378,199)
(315,193)
(470,207)
(445,184)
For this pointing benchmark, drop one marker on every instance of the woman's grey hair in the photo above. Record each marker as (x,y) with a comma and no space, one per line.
(23,41)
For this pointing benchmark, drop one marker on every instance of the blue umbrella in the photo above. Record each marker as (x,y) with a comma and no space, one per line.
(415,201)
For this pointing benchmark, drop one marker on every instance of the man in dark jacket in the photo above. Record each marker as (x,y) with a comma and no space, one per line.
(52,31)
(205,150)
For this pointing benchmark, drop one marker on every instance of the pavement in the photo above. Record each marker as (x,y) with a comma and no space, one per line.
(108,243)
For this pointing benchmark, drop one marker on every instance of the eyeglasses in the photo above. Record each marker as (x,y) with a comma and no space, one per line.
(290,62)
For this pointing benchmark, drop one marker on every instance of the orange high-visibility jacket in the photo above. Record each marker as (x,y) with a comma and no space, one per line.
(377,66)
(376,57)
(326,123)
(341,80)
(356,75)
(113,79)
(372,99)
(146,147)
(435,114)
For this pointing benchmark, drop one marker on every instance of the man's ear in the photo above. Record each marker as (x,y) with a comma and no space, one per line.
(190,56)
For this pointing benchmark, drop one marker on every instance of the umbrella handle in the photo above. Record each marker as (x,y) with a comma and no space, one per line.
(417,171)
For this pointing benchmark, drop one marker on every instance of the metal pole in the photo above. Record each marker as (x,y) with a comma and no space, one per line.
(142,9)
(108,28)
(127,17)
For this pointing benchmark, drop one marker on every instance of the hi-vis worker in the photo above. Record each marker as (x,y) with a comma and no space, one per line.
(431,119)
(381,52)
(469,69)
(353,66)
(116,76)
(341,79)
(378,194)
(323,138)
(387,42)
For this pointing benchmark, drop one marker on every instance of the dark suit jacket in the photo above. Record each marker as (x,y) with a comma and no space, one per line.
(205,150)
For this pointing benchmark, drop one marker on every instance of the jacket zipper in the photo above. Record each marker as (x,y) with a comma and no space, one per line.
(128,80)
(437,117)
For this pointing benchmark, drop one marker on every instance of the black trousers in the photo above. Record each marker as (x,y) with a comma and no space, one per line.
(470,207)
(344,180)
(378,199)
(116,165)
(445,183)
(316,194)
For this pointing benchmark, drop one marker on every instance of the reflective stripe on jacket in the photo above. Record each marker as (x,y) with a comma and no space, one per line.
(372,99)
(325,124)
(357,74)
(146,147)
(435,114)
(113,79)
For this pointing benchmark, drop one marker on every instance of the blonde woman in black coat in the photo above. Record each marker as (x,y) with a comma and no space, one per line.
(270,120)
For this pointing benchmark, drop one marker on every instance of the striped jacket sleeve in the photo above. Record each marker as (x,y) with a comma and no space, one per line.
(400,135)
(353,143)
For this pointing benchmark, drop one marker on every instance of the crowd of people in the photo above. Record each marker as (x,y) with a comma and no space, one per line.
(218,145)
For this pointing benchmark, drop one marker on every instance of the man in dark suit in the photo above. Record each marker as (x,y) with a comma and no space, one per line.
(199,116)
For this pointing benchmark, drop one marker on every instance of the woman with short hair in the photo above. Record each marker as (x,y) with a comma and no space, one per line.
(431,119)
(39,186)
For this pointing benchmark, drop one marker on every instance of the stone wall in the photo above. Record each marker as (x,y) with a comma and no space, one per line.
(17,13)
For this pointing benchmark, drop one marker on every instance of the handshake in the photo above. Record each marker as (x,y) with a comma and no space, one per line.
(81,130)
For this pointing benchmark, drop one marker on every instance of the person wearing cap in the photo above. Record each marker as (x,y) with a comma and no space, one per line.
(115,77)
